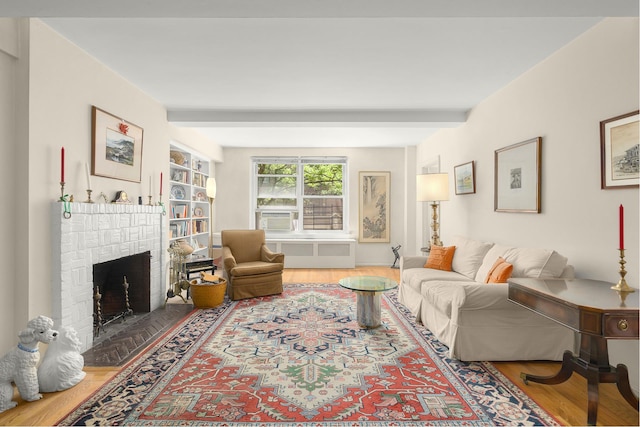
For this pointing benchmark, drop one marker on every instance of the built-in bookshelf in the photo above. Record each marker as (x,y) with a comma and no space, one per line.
(188,203)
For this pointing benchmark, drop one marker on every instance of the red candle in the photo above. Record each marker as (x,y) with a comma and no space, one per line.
(161,183)
(62,165)
(621,227)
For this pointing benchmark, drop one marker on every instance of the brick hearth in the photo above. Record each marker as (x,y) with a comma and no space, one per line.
(128,339)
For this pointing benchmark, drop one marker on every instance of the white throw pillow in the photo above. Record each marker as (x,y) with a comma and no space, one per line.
(535,263)
(468,256)
(491,257)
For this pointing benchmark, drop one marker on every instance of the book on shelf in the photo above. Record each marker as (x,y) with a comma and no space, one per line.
(179,229)
(179,211)
(179,176)
(199,180)
(200,226)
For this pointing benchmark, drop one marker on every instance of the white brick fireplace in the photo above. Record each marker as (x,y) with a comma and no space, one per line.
(98,233)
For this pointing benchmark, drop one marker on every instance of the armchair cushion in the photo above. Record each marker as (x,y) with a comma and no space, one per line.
(252,268)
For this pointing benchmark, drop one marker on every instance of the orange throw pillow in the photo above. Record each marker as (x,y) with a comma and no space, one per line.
(500,272)
(440,258)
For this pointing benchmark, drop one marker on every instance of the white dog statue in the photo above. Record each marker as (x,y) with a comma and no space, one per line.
(19,364)
(62,364)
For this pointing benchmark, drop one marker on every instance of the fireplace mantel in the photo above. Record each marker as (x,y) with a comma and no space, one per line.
(98,233)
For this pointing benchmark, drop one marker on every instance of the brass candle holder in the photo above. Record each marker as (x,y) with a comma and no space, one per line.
(89,196)
(622,286)
(150,203)
(62,199)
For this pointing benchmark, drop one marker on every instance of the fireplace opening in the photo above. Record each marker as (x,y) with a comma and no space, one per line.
(121,287)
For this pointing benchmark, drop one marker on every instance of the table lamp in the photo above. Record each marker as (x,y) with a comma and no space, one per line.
(433,187)
(211,194)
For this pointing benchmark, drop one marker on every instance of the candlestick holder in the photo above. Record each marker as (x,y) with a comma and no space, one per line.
(622,286)
(150,202)
(164,211)
(89,196)
(66,203)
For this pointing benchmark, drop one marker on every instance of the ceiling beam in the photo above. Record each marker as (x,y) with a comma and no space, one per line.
(317,8)
(370,118)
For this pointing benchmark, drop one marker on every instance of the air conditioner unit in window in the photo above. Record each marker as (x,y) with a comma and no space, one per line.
(275,221)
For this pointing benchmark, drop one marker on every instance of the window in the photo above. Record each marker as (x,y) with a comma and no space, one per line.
(310,190)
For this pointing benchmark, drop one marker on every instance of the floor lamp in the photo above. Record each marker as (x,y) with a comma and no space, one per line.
(211,194)
(433,187)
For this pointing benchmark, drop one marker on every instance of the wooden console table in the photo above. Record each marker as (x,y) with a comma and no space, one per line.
(598,313)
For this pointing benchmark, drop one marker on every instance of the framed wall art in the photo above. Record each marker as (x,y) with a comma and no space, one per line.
(374,217)
(116,147)
(465,178)
(619,151)
(517,177)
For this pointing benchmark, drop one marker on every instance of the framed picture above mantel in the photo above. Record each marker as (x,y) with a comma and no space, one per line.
(619,151)
(116,147)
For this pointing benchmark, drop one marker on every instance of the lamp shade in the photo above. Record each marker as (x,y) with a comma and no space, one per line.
(211,188)
(432,187)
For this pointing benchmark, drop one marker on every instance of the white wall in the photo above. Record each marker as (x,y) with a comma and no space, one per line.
(10,90)
(233,200)
(50,85)
(563,100)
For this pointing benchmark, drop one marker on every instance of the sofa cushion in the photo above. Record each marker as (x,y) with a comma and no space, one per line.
(492,255)
(440,257)
(536,263)
(415,277)
(444,295)
(468,256)
(500,272)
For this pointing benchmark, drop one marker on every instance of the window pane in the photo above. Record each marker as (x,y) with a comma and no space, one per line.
(276,186)
(277,169)
(322,214)
(276,203)
(323,179)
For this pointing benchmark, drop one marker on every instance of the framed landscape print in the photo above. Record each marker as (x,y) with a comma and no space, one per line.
(116,147)
(465,178)
(373,216)
(517,177)
(619,151)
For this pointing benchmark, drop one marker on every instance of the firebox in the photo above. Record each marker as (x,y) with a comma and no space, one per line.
(121,287)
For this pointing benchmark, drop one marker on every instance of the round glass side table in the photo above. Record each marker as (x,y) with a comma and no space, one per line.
(368,290)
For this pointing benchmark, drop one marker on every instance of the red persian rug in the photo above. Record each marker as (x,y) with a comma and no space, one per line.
(300,359)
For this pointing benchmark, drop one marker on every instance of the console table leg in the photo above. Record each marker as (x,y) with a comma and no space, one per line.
(566,369)
(593,379)
(622,381)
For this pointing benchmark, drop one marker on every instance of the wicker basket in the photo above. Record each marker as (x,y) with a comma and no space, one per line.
(207,295)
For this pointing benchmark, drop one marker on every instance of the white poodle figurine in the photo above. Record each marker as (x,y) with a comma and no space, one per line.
(62,364)
(19,364)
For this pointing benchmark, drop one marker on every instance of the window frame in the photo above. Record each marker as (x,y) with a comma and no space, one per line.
(298,210)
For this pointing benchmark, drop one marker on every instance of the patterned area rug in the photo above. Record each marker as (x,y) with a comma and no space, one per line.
(301,359)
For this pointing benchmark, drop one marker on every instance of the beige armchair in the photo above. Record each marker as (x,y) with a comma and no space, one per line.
(251,268)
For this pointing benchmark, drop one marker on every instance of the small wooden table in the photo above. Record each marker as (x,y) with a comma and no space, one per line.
(598,313)
(196,265)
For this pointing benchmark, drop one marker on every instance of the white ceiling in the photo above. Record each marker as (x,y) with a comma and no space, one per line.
(298,73)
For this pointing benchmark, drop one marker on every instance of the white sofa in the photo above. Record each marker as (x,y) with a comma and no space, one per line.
(475,320)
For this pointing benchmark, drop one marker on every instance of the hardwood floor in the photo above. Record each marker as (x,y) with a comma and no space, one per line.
(566,401)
